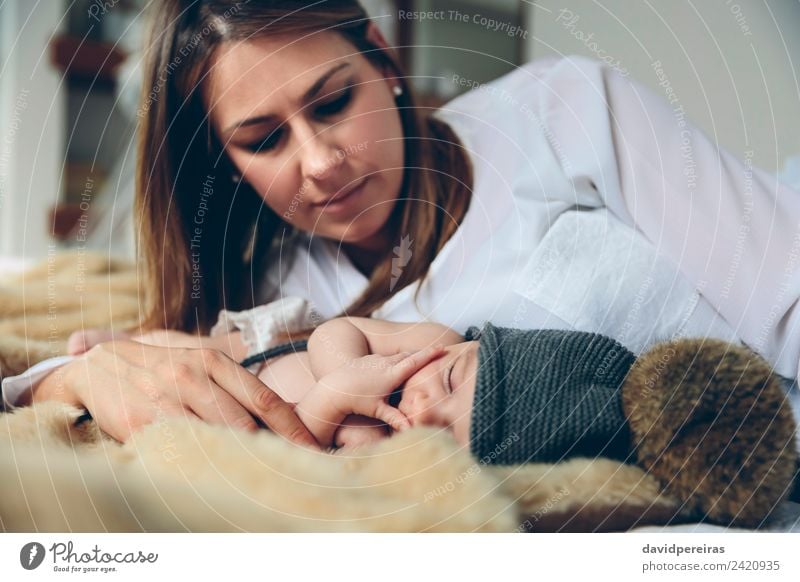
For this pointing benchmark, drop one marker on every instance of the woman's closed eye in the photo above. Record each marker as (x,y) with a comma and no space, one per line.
(267,143)
(327,109)
(337,104)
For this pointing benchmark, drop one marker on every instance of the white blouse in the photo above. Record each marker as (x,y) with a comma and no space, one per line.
(596,206)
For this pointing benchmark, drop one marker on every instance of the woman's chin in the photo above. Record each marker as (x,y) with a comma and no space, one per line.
(369,234)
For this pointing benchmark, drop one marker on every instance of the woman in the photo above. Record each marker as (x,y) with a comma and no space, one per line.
(283,155)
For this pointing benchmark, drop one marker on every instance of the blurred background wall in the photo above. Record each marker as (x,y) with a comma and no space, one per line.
(733,64)
(32,125)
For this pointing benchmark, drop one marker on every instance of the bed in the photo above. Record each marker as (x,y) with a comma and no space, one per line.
(180,475)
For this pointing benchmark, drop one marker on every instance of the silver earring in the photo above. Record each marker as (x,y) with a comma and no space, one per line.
(236,178)
(397,90)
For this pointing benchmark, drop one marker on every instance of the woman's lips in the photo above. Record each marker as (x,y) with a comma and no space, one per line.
(341,201)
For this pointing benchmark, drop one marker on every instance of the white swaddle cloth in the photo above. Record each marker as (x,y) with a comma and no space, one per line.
(261,324)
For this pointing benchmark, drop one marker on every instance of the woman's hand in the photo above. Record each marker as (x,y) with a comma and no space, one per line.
(361,386)
(83,340)
(126,385)
(230,344)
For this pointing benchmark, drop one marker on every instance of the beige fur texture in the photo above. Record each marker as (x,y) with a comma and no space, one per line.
(66,292)
(184,475)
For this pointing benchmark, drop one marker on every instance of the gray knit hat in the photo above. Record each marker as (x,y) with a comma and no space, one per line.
(546,395)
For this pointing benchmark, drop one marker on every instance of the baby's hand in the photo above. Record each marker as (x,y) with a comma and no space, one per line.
(363,386)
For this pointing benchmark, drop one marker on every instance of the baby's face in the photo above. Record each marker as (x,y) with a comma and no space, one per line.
(441,393)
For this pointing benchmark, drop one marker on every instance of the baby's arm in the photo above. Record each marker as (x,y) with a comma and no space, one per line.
(362,386)
(333,344)
(343,339)
(336,345)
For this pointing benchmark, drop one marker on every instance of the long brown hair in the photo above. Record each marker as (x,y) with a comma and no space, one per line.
(206,242)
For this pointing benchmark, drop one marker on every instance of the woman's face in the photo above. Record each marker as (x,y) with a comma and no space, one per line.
(305,120)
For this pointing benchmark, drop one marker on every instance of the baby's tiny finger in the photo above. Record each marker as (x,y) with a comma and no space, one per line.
(392,416)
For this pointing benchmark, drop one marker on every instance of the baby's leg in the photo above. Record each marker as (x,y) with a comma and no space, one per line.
(357,430)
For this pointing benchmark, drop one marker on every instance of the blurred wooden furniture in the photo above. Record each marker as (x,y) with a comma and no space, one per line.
(85,60)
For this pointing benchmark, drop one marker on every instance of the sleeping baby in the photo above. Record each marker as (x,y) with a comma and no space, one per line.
(707,419)
(510,395)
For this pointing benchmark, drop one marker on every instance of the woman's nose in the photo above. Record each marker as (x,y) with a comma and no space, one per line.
(320,157)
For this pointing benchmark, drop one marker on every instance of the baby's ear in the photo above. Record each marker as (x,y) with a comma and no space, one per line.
(710,421)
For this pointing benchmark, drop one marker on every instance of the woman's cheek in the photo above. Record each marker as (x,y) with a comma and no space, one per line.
(376,137)
(287,202)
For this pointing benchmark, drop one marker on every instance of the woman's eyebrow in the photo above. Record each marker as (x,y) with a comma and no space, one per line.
(309,94)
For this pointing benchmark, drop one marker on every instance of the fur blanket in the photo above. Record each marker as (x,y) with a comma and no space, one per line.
(68,291)
(189,476)
(184,475)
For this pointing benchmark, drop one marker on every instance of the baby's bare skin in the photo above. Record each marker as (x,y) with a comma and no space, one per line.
(439,393)
(291,378)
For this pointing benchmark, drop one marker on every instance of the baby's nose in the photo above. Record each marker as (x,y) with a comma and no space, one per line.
(418,407)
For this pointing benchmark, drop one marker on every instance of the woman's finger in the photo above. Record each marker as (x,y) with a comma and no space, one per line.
(182,387)
(257,398)
(216,406)
(120,418)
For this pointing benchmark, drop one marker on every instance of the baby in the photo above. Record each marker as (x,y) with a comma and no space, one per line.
(345,380)
(510,395)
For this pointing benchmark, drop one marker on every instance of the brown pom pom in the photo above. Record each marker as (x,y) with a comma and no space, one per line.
(710,421)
